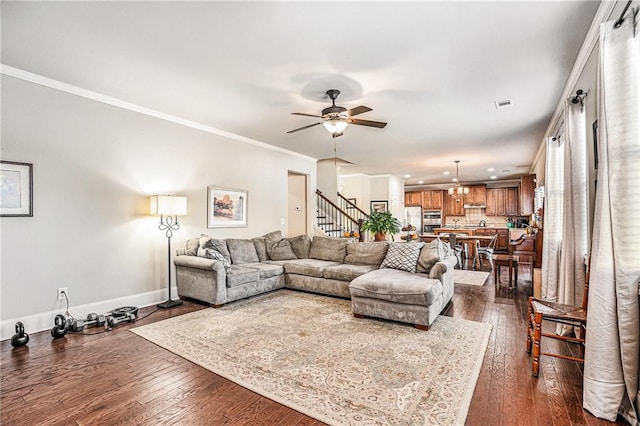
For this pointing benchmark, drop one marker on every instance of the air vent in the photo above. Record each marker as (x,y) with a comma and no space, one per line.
(504,104)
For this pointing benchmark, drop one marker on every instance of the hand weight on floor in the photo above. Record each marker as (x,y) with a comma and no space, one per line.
(78,325)
(20,338)
(59,330)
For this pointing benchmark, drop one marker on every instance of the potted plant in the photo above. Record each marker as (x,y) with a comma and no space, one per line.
(380,223)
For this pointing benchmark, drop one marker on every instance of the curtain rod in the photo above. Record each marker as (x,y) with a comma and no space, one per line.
(621,18)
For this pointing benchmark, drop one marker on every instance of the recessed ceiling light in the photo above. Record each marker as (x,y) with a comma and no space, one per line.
(445,173)
(494,177)
(504,104)
(490,169)
(407,176)
(421,182)
(454,180)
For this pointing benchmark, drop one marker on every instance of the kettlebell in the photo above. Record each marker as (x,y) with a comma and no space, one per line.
(20,338)
(60,328)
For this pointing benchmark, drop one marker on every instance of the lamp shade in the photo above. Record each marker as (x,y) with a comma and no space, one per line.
(335,125)
(168,205)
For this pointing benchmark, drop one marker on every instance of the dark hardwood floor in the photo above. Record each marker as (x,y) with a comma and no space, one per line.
(118,378)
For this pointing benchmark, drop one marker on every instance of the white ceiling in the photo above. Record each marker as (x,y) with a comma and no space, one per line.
(432,70)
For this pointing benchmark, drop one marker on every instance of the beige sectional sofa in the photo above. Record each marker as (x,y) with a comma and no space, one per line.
(221,271)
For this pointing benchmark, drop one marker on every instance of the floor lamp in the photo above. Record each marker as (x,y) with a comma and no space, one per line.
(169,208)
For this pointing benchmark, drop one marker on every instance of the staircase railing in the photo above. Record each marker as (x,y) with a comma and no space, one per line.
(335,221)
(354,211)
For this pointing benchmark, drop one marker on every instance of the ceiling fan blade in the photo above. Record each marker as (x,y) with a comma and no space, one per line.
(305,127)
(306,115)
(378,124)
(358,110)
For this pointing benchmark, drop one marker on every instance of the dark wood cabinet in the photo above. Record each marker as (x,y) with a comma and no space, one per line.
(477,196)
(413,198)
(511,201)
(453,207)
(502,202)
(502,243)
(527,194)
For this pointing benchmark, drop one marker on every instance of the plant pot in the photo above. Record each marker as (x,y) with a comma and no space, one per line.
(380,236)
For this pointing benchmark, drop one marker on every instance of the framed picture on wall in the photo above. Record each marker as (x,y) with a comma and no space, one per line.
(352,201)
(16,189)
(226,208)
(379,206)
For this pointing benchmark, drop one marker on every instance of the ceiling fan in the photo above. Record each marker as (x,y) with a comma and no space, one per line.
(336,118)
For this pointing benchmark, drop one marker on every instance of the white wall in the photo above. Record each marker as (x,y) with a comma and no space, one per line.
(356,186)
(95,166)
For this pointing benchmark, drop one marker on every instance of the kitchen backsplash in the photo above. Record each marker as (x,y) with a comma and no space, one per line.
(473,217)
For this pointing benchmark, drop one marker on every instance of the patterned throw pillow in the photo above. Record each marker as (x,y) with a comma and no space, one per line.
(402,256)
(211,253)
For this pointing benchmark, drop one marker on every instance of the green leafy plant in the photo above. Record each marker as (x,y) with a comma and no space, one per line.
(381,222)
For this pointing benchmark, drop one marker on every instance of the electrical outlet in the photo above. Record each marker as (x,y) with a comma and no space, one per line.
(61,292)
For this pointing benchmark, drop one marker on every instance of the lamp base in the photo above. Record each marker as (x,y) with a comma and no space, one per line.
(169,304)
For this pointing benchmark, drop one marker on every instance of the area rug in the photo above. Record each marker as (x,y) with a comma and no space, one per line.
(309,353)
(461,276)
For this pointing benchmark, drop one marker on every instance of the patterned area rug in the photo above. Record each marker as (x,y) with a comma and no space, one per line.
(309,353)
(469,277)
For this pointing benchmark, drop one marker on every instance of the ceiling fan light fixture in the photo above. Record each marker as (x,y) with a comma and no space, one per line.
(335,125)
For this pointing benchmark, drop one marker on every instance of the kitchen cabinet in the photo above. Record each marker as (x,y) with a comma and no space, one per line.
(511,201)
(502,243)
(413,198)
(453,207)
(527,194)
(432,200)
(477,196)
(502,202)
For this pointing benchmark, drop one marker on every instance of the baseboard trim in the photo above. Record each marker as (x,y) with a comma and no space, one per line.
(44,321)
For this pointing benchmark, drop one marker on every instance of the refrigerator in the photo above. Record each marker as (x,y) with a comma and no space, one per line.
(413,216)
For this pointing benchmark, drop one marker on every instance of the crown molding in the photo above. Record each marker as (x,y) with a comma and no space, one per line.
(590,42)
(99,97)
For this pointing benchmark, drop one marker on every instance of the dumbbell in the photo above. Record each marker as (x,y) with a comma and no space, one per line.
(92,319)
(20,338)
(59,329)
(113,321)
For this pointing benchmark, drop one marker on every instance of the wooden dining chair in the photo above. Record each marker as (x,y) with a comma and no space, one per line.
(541,310)
(486,251)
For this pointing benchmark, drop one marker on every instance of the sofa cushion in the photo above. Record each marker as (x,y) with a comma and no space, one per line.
(366,253)
(402,256)
(240,274)
(397,286)
(430,254)
(280,250)
(266,270)
(331,249)
(273,236)
(220,245)
(301,245)
(346,272)
(308,267)
(242,251)
(211,253)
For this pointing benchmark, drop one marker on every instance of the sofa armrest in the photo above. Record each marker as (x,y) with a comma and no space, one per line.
(197,262)
(440,268)
(201,278)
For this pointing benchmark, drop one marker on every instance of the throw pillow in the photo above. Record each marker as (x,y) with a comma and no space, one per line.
(191,246)
(211,253)
(273,236)
(220,245)
(402,256)
(431,253)
(260,243)
(280,250)
(301,245)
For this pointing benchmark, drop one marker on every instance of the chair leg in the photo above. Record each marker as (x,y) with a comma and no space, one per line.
(490,260)
(529,327)
(537,335)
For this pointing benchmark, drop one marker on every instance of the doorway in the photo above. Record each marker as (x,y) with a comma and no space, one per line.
(297,204)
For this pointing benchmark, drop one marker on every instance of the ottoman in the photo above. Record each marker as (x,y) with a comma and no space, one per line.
(397,295)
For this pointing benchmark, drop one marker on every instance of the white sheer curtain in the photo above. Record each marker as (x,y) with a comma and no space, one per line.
(553,213)
(613,326)
(575,226)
